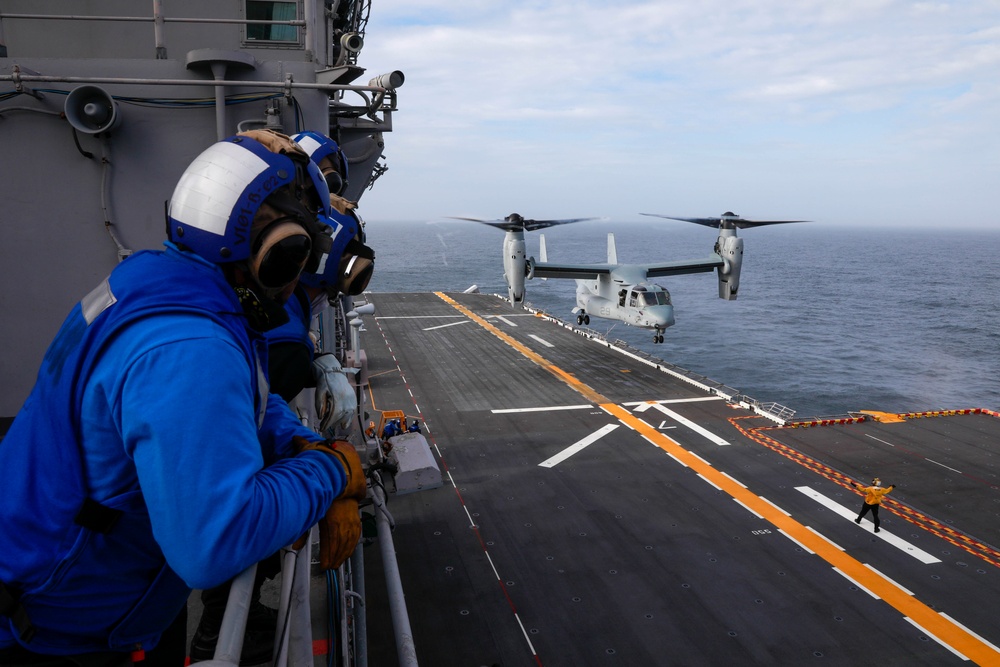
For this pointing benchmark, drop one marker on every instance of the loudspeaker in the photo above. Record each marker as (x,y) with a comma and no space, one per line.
(92,110)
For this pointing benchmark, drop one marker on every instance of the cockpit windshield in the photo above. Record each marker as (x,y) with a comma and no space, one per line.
(645,295)
(655,299)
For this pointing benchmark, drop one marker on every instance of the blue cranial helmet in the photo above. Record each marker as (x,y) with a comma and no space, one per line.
(342,230)
(348,266)
(218,207)
(321,148)
(214,203)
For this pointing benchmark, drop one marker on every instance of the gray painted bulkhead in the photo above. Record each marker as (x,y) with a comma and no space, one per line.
(54,244)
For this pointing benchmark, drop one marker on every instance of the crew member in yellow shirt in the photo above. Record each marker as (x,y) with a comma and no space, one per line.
(873,498)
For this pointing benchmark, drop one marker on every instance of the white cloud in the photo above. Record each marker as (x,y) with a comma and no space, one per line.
(697,102)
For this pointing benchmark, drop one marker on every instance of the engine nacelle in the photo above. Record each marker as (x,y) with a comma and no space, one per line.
(514,265)
(730,248)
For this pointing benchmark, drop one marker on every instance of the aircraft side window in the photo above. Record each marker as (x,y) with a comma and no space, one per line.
(632,300)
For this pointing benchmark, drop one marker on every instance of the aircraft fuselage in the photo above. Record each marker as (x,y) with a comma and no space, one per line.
(644,305)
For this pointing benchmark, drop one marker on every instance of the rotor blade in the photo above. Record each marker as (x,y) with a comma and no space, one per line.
(500,224)
(746,224)
(708,222)
(524,224)
(728,219)
(533,225)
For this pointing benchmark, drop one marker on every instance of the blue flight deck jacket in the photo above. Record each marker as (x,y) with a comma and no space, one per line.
(296,329)
(150,409)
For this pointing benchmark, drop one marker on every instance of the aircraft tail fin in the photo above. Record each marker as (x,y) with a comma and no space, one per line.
(541,251)
(612,250)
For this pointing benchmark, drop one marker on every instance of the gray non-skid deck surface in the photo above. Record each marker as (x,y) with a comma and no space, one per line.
(619,554)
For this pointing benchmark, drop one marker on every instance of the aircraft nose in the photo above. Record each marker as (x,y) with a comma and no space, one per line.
(666,317)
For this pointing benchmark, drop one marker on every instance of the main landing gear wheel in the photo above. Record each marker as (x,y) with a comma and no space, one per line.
(583,318)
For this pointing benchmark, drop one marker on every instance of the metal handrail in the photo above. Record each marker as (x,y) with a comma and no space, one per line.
(234,621)
(374,103)
(38,78)
(405,648)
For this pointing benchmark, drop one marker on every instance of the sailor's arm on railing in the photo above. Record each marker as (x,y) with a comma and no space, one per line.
(340,528)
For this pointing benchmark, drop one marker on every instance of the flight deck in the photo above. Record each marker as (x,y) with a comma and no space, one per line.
(600,509)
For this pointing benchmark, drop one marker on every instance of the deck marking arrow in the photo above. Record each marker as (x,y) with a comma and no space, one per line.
(690,424)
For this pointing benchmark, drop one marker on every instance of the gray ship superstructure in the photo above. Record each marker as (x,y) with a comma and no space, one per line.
(103,105)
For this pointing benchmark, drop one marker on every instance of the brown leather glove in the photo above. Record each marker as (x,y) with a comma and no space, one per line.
(340,528)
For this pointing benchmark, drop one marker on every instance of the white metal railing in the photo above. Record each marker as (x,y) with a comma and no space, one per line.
(293,634)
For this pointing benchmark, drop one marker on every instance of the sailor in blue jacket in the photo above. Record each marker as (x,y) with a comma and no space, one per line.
(294,365)
(150,458)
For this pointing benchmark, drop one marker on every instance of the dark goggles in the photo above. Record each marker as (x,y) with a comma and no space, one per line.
(281,252)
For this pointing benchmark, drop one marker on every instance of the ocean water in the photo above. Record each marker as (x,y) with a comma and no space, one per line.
(829,319)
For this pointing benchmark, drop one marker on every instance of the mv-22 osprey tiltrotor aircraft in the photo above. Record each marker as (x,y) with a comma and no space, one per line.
(619,291)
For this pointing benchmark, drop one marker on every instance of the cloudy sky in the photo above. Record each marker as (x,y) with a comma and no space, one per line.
(851,112)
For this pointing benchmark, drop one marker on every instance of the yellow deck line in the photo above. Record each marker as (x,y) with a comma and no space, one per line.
(568,378)
(942,628)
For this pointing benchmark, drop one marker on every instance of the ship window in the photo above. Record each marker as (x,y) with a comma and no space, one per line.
(260,10)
